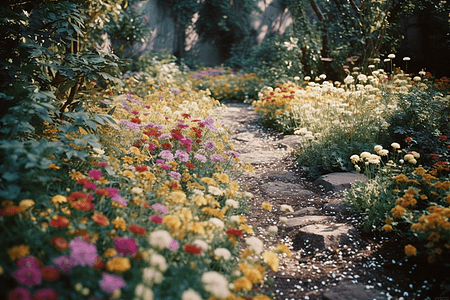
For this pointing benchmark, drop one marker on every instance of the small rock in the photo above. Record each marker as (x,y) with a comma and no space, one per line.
(285,189)
(339,181)
(305,211)
(260,157)
(244,137)
(352,291)
(290,141)
(323,236)
(337,209)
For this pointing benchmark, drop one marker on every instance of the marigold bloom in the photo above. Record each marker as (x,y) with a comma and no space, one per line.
(387,228)
(410,250)
(271,259)
(26,203)
(12,210)
(137,229)
(59,243)
(118,265)
(266,206)
(120,223)
(59,222)
(398,211)
(242,284)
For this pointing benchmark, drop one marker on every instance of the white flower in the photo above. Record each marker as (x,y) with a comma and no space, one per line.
(377,148)
(190,294)
(322,76)
(216,284)
(201,244)
(143,292)
(383,152)
(285,207)
(349,79)
(417,78)
(357,168)
(232,203)
(160,239)
(222,253)
(254,244)
(412,161)
(371,66)
(235,219)
(362,78)
(354,158)
(272,229)
(215,191)
(151,276)
(391,56)
(136,190)
(408,157)
(248,195)
(395,145)
(406,58)
(376,60)
(296,78)
(157,260)
(283,219)
(422,73)
(415,154)
(217,222)
(386,60)
(98,151)
(307,78)
(365,155)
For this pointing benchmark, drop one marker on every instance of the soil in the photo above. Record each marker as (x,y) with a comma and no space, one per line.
(375,260)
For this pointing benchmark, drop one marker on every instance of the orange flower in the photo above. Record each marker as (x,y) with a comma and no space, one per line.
(387,228)
(398,211)
(59,243)
(410,250)
(100,219)
(12,210)
(17,252)
(137,229)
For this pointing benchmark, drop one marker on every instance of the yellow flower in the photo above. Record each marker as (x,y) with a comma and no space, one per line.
(271,259)
(76,175)
(416,226)
(177,197)
(199,200)
(398,211)
(252,274)
(420,171)
(53,166)
(242,284)
(172,222)
(128,160)
(26,203)
(17,252)
(246,228)
(209,181)
(283,248)
(110,252)
(118,265)
(128,173)
(120,223)
(59,199)
(222,177)
(410,250)
(266,206)
(261,297)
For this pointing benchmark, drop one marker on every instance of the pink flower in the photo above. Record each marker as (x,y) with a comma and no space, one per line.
(175,175)
(174,245)
(119,199)
(216,157)
(125,246)
(63,263)
(29,261)
(83,253)
(112,191)
(160,207)
(166,167)
(95,174)
(200,157)
(110,283)
(182,155)
(166,154)
(103,164)
(28,276)
(45,294)
(209,145)
(90,186)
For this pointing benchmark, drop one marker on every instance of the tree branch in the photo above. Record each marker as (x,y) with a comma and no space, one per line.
(355,7)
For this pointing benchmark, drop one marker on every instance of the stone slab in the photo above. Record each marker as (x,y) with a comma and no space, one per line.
(352,291)
(324,236)
(285,189)
(339,181)
(299,221)
(310,210)
(260,157)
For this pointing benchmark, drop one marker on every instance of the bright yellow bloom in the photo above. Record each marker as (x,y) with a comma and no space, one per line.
(17,252)
(53,166)
(271,259)
(398,211)
(120,223)
(76,175)
(283,248)
(172,222)
(387,228)
(261,297)
(177,197)
(118,265)
(59,199)
(246,228)
(110,252)
(242,284)
(266,206)
(26,203)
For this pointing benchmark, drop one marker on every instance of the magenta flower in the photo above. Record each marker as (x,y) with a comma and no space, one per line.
(103,164)
(28,276)
(125,245)
(200,157)
(63,263)
(175,175)
(19,293)
(112,191)
(83,253)
(216,157)
(151,147)
(90,186)
(233,153)
(29,261)
(156,219)
(95,174)
(166,167)
(110,283)
(46,294)
(160,207)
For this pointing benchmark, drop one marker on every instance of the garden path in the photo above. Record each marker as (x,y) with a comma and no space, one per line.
(332,257)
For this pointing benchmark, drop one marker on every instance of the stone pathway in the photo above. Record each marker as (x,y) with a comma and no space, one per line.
(326,246)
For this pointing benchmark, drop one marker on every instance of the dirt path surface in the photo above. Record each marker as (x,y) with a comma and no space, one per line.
(332,257)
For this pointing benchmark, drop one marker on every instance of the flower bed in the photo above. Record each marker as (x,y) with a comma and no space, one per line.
(152,214)
(225,84)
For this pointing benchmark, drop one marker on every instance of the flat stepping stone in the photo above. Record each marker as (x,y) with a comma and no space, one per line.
(323,236)
(244,137)
(285,189)
(310,210)
(337,208)
(339,181)
(299,221)
(260,157)
(290,141)
(353,291)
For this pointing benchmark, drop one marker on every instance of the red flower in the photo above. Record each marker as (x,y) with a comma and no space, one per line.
(99,264)
(186,116)
(50,273)
(141,168)
(152,132)
(192,249)
(83,181)
(190,166)
(137,229)
(102,192)
(78,195)
(100,219)
(167,146)
(60,222)
(12,210)
(443,137)
(235,232)
(156,219)
(136,120)
(82,205)
(408,139)
(59,243)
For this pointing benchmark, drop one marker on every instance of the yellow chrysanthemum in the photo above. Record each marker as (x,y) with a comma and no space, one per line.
(118,265)
(120,223)
(266,206)
(18,252)
(59,199)
(271,259)
(410,250)
(242,284)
